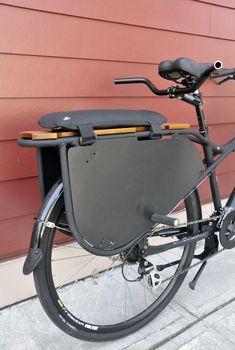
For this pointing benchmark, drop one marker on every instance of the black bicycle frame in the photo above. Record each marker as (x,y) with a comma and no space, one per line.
(208,151)
(214,155)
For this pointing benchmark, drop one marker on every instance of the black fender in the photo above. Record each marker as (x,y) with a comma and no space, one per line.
(35,253)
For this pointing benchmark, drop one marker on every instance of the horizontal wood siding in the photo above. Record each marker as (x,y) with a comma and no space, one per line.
(64,55)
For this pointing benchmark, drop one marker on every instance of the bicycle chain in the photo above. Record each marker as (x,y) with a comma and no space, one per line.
(159,228)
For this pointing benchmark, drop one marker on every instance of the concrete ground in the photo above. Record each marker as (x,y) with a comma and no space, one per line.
(200,319)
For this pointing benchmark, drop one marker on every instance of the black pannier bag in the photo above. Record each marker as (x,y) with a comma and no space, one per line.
(113,185)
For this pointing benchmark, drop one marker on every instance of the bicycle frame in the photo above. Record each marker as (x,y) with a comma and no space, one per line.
(210,149)
(112,196)
(214,154)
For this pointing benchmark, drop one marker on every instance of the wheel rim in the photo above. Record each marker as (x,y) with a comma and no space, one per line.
(93,295)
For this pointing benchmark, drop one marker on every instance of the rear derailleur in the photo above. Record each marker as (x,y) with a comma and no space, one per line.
(146,269)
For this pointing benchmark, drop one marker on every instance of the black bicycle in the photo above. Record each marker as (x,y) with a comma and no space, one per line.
(121,215)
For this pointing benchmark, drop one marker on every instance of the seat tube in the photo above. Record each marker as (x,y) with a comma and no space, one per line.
(203,129)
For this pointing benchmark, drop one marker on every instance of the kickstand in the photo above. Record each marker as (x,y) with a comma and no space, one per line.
(192,284)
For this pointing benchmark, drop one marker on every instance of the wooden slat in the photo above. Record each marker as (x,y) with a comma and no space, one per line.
(19,197)
(182,15)
(42,78)
(40,135)
(37,135)
(220,3)
(219,133)
(121,130)
(61,41)
(66,133)
(88,71)
(222,22)
(175,126)
(15,234)
(226,185)
(222,133)
(16,162)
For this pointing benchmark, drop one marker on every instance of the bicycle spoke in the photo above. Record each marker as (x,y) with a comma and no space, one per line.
(79,269)
(67,246)
(70,257)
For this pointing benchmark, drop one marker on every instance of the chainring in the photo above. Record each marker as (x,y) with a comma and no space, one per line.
(227,231)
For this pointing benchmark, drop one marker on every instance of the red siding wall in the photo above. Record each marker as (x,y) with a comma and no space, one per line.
(61,55)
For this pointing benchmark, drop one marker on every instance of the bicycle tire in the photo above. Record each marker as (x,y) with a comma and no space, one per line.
(76,327)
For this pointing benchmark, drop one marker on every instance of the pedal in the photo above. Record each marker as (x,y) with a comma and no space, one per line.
(193,283)
(164,220)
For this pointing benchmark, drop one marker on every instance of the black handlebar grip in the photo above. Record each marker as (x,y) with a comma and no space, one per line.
(128,80)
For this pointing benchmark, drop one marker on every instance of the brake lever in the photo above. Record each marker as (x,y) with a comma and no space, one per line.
(226,79)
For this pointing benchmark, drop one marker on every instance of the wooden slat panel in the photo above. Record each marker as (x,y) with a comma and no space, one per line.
(16,162)
(19,197)
(54,77)
(92,62)
(57,77)
(182,15)
(220,3)
(94,39)
(15,234)
(223,23)
(52,135)
(222,133)
(219,110)
(227,166)
(226,185)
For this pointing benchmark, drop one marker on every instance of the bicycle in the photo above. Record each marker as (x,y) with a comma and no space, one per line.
(121,216)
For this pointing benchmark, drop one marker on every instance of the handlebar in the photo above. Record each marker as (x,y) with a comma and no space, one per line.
(222,73)
(172,91)
(150,85)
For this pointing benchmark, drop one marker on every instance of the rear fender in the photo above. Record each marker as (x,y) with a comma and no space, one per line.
(35,253)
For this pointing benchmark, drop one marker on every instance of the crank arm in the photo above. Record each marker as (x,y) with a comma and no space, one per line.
(151,250)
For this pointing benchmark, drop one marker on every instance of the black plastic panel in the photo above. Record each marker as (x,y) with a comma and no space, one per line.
(118,184)
(49,169)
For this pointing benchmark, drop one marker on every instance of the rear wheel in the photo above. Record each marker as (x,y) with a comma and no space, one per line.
(102,298)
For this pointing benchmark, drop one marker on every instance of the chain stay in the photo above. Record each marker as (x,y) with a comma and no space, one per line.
(159,228)
(192,266)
